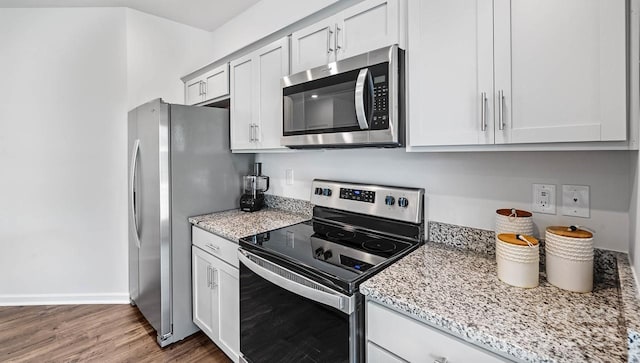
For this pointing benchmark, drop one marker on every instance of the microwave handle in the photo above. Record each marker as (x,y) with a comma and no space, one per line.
(363,84)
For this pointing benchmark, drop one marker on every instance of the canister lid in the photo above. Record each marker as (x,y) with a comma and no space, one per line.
(567,231)
(514,240)
(509,212)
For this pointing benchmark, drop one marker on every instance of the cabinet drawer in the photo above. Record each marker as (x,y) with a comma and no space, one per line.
(220,247)
(375,354)
(414,341)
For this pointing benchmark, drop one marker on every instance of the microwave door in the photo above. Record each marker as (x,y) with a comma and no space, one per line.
(322,106)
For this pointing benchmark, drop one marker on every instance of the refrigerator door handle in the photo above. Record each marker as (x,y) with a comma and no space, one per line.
(132,180)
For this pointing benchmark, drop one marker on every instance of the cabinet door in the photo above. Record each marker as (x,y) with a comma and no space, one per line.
(226,282)
(242,98)
(216,82)
(313,46)
(562,68)
(202,293)
(367,26)
(193,91)
(450,71)
(272,63)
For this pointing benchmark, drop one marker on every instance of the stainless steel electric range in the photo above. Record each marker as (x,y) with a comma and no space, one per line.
(299,299)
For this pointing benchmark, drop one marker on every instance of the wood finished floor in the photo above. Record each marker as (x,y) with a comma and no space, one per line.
(92,333)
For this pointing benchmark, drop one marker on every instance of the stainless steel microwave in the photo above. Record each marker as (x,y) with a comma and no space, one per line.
(355,102)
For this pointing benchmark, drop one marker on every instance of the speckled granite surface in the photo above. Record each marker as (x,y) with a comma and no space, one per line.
(235,224)
(298,206)
(464,297)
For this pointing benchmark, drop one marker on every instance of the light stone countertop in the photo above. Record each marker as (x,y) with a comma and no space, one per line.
(459,292)
(235,224)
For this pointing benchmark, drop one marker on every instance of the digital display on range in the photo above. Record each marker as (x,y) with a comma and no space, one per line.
(355,264)
(359,195)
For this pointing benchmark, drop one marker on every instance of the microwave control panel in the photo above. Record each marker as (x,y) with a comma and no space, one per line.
(380,103)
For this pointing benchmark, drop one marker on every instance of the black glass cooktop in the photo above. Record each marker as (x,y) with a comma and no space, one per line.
(332,255)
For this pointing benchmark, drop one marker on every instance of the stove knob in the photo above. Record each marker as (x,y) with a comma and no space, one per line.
(389,200)
(327,255)
(326,192)
(319,252)
(318,191)
(403,202)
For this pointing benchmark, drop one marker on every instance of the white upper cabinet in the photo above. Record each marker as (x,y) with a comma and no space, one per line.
(272,63)
(562,68)
(256,97)
(241,105)
(450,61)
(208,86)
(516,72)
(367,26)
(313,46)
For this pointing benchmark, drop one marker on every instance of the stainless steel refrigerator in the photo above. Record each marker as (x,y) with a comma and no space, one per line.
(180,165)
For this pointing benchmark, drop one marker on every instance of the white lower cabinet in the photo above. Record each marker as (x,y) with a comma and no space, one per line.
(216,305)
(394,337)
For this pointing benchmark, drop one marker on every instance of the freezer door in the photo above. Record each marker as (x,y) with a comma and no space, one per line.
(150,213)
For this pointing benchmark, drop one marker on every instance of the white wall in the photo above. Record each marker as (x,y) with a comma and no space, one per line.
(63,155)
(159,52)
(69,75)
(467,188)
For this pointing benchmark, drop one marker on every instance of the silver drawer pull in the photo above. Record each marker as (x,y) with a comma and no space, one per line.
(213,247)
(440,360)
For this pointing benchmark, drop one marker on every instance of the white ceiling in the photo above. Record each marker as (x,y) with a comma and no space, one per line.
(203,14)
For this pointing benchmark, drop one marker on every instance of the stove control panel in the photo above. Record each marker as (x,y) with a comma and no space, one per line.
(359,195)
(404,204)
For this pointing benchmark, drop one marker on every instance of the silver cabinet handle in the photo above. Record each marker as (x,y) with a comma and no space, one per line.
(256,127)
(250,132)
(214,273)
(204,88)
(132,195)
(337,42)
(295,283)
(213,247)
(208,276)
(501,110)
(364,78)
(440,360)
(483,111)
(200,85)
(329,32)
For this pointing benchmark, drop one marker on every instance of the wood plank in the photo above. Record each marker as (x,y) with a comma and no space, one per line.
(92,333)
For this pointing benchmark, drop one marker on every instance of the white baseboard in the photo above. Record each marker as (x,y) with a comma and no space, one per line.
(63,299)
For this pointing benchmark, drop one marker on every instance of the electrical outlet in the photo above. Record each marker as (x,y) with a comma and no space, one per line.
(289,176)
(575,200)
(544,198)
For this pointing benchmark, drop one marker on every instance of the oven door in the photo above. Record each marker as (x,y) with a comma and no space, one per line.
(346,103)
(286,317)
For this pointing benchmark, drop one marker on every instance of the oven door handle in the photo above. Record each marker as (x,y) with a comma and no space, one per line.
(363,84)
(310,289)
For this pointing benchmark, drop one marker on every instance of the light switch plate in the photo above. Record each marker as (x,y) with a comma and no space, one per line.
(575,201)
(544,198)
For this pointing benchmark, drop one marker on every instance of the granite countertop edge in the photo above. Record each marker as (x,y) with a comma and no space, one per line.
(628,301)
(235,224)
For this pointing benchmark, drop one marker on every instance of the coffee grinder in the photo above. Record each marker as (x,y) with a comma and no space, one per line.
(254,187)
